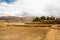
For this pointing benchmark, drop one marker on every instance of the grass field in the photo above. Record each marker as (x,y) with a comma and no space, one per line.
(14,31)
(7,24)
(22,33)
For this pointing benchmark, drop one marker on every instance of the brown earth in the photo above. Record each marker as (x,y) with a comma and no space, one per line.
(23,33)
(30,33)
(53,34)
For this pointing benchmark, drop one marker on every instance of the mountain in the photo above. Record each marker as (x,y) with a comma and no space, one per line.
(16,18)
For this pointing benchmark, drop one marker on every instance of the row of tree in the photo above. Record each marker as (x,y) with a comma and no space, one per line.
(47,20)
(38,19)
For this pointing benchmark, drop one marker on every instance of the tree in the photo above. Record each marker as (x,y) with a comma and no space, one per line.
(37,19)
(43,17)
(50,18)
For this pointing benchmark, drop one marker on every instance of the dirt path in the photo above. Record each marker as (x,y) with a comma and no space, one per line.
(53,34)
(22,33)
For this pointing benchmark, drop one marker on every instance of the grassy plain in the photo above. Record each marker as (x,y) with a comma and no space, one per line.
(21,31)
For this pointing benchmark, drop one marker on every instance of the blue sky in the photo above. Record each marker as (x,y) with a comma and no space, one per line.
(30,7)
(7,1)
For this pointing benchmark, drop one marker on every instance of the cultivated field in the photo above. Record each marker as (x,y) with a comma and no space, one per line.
(21,31)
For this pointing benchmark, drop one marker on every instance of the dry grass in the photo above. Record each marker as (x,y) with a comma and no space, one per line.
(14,31)
(4,24)
(22,33)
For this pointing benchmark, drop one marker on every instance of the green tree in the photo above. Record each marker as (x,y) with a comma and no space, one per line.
(37,19)
(43,17)
(50,18)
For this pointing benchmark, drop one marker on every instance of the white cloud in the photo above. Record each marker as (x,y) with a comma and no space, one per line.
(32,7)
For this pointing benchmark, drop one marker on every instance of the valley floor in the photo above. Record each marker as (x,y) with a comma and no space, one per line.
(29,33)
(23,33)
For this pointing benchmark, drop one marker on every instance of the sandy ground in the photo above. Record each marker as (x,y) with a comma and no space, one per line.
(22,33)
(53,34)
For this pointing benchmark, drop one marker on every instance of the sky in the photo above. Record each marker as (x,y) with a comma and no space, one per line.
(30,8)
(7,1)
